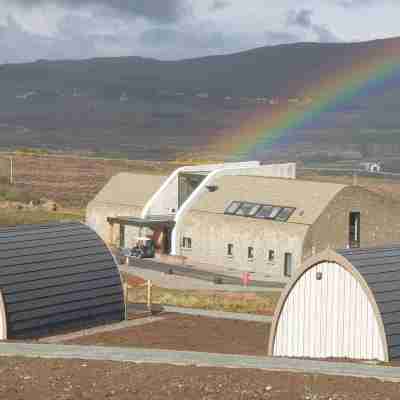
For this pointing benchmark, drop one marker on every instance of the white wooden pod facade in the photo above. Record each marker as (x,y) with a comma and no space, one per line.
(341,305)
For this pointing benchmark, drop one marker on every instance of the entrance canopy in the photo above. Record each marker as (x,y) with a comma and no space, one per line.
(152,222)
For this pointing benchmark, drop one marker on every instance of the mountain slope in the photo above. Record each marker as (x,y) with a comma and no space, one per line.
(146,108)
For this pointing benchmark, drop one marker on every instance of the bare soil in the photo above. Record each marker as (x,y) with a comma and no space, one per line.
(37,379)
(182,332)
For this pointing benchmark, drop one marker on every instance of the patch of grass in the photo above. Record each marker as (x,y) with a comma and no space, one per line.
(244,302)
(31,151)
(11,217)
(13,193)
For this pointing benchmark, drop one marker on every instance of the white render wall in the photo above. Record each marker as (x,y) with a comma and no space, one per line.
(287,170)
(328,318)
(166,198)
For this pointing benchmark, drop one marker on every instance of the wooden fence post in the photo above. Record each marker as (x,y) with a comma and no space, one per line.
(11,170)
(149,293)
(126,292)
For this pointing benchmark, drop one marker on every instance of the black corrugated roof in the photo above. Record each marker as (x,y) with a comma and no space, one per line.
(380,267)
(57,277)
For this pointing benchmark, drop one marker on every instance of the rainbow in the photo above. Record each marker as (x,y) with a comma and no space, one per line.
(264,128)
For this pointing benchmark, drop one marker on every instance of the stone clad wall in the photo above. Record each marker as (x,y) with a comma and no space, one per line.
(96,218)
(380,221)
(211,234)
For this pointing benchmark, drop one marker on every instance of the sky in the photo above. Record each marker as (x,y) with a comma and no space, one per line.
(177,29)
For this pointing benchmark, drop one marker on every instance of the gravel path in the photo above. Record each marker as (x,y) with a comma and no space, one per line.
(184,358)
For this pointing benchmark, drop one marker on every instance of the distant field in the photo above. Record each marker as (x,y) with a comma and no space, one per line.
(73,181)
(11,217)
(390,187)
(70,181)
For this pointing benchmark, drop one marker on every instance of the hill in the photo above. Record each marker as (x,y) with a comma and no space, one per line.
(151,109)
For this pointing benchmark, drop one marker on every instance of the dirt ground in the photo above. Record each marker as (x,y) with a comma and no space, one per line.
(36,379)
(178,332)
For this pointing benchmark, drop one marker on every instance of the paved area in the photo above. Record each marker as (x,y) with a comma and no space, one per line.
(226,277)
(54,351)
(101,329)
(188,282)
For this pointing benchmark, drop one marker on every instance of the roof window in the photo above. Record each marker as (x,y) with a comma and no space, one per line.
(259,211)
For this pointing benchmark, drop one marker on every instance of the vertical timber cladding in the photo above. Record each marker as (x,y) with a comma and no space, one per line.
(57,277)
(341,305)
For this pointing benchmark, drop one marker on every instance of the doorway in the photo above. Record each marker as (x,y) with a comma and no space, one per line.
(167,240)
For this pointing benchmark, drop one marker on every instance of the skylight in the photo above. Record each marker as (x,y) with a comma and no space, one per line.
(259,211)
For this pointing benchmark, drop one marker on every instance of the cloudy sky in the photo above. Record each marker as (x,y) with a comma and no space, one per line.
(174,29)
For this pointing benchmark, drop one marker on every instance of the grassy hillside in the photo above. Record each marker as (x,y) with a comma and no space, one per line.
(148,109)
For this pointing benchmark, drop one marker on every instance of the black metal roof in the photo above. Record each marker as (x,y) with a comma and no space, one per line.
(57,277)
(380,267)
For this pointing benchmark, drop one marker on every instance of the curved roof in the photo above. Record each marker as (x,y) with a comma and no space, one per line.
(57,277)
(309,198)
(378,271)
(129,189)
(380,268)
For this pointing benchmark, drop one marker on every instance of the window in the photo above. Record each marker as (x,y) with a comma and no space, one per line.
(268,212)
(285,214)
(354,229)
(260,211)
(288,265)
(187,243)
(248,209)
(230,249)
(233,207)
(250,253)
(271,255)
(264,212)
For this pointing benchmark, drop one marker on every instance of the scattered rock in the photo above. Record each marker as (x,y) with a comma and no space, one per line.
(50,205)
